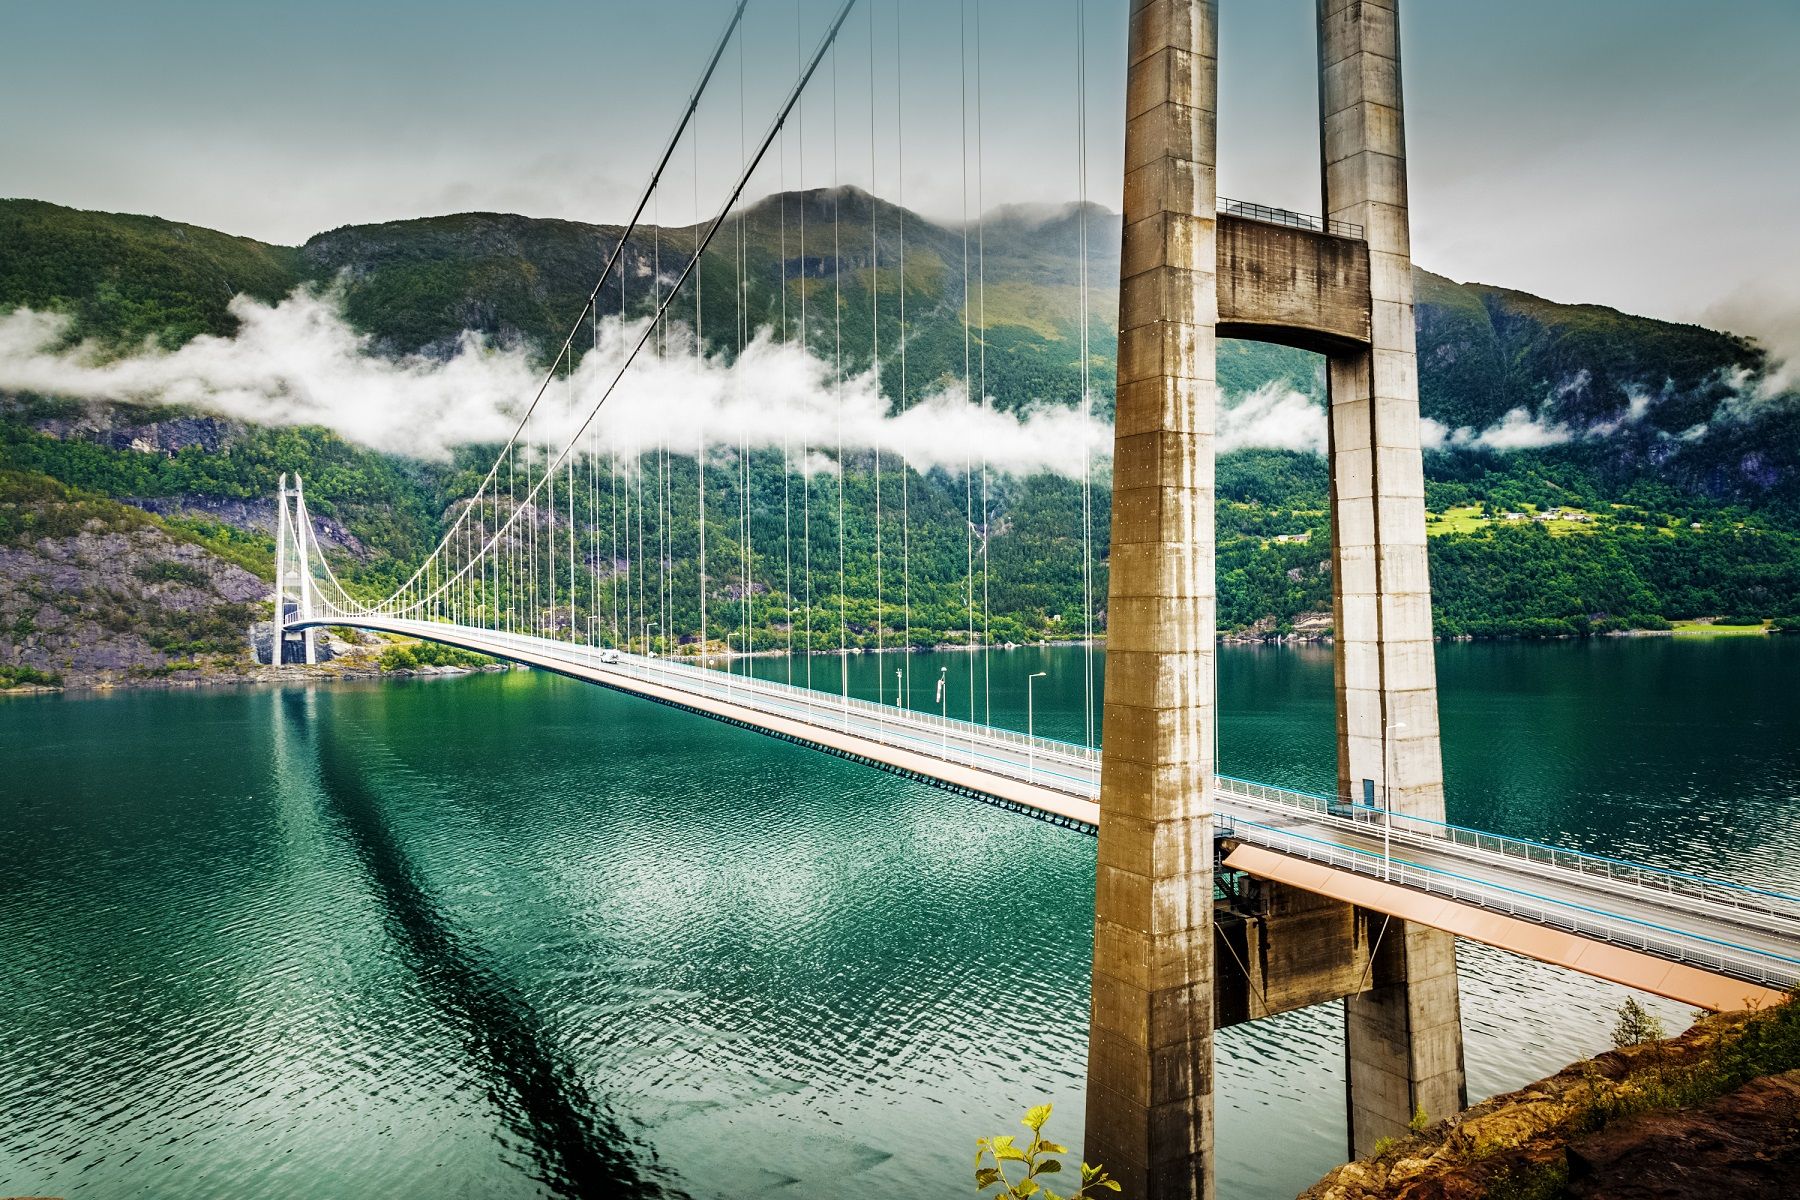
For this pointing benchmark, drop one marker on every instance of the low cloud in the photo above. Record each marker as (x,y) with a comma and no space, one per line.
(1522,429)
(1519,429)
(1273,417)
(1772,317)
(300,363)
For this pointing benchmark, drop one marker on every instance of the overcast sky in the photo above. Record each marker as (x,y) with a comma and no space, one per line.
(1637,153)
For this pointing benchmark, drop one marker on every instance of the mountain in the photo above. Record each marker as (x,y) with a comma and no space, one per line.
(1674,472)
(127,278)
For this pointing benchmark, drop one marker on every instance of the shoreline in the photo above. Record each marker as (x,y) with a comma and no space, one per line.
(268,675)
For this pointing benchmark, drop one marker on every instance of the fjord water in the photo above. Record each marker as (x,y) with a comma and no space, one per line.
(510,935)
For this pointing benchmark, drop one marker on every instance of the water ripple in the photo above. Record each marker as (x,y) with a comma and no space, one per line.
(512,936)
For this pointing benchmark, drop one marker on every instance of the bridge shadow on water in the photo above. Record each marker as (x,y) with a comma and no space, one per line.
(575,1147)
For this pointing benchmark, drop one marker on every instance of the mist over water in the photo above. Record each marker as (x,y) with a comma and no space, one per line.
(510,935)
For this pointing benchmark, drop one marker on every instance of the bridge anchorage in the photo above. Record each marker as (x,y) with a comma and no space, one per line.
(1217,900)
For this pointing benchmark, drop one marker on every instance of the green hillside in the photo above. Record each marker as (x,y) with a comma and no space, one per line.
(1671,489)
(126,278)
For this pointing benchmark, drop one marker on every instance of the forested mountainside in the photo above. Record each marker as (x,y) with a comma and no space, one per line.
(1588,469)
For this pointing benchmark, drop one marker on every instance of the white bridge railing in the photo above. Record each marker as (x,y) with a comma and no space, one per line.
(1664,941)
(1552,860)
(1516,876)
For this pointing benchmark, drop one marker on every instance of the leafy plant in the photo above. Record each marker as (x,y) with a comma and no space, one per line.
(1033,1159)
(1637,1026)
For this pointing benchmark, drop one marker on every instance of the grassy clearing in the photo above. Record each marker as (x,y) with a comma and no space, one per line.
(1469,519)
(1709,629)
(1463,519)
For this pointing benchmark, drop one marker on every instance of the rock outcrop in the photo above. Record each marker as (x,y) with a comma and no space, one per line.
(1664,1120)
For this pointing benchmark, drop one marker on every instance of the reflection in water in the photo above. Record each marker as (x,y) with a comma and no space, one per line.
(574,1145)
(501,936)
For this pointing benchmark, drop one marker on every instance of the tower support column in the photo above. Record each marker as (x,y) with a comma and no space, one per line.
(1149,1096)
(278,628)
(1404,1038)
(310,635)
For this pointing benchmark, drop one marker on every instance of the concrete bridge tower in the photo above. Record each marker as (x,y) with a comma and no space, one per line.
(1190,272)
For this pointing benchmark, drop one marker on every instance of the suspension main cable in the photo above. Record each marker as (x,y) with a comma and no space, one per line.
(612,260)
(768,138)
(905,466)
(875,364)
(1087,452)
(987,629)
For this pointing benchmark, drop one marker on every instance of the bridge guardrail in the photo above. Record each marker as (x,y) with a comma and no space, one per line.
(1054,760)
(829,711)
(1283,216)
(1661,881)
(1745,963)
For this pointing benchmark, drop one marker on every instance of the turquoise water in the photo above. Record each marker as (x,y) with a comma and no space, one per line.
(509,935)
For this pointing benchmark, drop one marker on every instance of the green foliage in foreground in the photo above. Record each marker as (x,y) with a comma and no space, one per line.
(1766,1043)
(1029,1163)
(1532,1161)
(1636,1025)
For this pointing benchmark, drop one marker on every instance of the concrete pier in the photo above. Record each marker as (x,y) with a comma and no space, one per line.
(1404,1041)
(1341,286)
(1150,1051)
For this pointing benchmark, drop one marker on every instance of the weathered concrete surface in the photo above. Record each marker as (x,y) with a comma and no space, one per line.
(1149,1102)
(1292,286)
(1297,950)
(1404,1041)
(1149,1095)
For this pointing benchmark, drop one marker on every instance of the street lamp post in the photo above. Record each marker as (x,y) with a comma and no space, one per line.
(1387,800)
(898,696)
(1030,733)
(944,710)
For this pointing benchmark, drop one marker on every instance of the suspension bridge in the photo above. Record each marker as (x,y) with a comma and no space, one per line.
(1217,899)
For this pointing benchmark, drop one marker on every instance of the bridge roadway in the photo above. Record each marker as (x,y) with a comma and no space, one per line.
(1702,941)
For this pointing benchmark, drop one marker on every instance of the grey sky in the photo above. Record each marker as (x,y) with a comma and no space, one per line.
(1639,153)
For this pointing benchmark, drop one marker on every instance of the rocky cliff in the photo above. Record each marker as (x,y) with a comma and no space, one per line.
(1713,1113)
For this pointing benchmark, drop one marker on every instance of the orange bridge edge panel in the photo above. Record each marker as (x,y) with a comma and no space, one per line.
(1616,964)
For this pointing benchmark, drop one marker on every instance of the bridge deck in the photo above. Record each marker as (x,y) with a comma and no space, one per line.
(1634,968)
(1716,929)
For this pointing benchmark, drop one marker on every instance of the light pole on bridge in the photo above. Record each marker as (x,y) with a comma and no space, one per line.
(1387,800)
(1030,732)
(944,710)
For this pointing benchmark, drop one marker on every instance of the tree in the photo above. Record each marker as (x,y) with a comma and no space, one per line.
(1637,1026)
